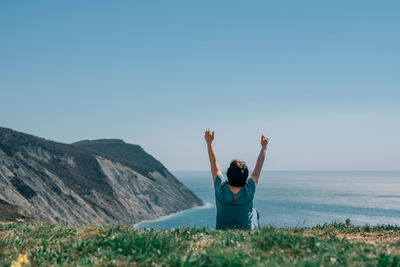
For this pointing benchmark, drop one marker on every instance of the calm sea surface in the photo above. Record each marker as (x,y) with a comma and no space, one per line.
(301,198)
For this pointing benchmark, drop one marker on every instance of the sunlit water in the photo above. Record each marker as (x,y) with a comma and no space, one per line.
(302,198)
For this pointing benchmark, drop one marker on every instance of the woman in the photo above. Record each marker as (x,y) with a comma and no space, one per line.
(234,197)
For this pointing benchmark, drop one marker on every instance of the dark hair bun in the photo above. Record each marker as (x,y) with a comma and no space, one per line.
(237,173)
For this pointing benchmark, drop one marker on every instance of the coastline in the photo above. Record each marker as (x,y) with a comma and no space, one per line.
(161,218)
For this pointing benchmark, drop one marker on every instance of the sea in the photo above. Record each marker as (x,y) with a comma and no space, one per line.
(300,199)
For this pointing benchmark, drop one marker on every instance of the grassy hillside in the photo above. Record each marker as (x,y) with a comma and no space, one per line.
(329,245)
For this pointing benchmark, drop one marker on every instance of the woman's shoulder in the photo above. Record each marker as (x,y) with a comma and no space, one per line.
(219,180)
(251,184)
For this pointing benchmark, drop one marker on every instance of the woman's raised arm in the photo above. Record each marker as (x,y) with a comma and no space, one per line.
(215,170)
(260,160)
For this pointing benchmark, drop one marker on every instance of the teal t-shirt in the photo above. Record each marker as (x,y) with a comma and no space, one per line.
(234,210)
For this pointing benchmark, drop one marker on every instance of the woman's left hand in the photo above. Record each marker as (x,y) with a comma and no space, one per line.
(209,136)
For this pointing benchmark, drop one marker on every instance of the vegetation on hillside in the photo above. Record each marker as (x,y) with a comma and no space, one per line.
(128,154)
(338,244)
(9,212)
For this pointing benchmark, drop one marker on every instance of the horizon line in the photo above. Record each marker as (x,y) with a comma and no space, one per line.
(302,170)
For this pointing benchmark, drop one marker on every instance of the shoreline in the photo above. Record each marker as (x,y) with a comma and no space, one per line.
(164,217)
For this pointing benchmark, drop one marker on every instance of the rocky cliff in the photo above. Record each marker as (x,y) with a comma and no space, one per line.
(100,181)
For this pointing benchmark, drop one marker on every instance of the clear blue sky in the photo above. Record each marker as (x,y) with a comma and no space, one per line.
(320,78)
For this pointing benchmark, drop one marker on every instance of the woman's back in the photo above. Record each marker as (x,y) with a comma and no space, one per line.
(234,210)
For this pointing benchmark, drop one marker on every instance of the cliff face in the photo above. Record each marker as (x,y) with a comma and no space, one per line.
(101,181)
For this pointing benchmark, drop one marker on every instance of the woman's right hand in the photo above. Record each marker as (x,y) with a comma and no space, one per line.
(264,140)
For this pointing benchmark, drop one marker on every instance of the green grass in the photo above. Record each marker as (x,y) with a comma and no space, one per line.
(270,246)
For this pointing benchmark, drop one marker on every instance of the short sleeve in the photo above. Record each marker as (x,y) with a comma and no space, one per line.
(218,181)
(251,184)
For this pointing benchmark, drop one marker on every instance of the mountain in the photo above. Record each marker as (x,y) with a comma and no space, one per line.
(100,181)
